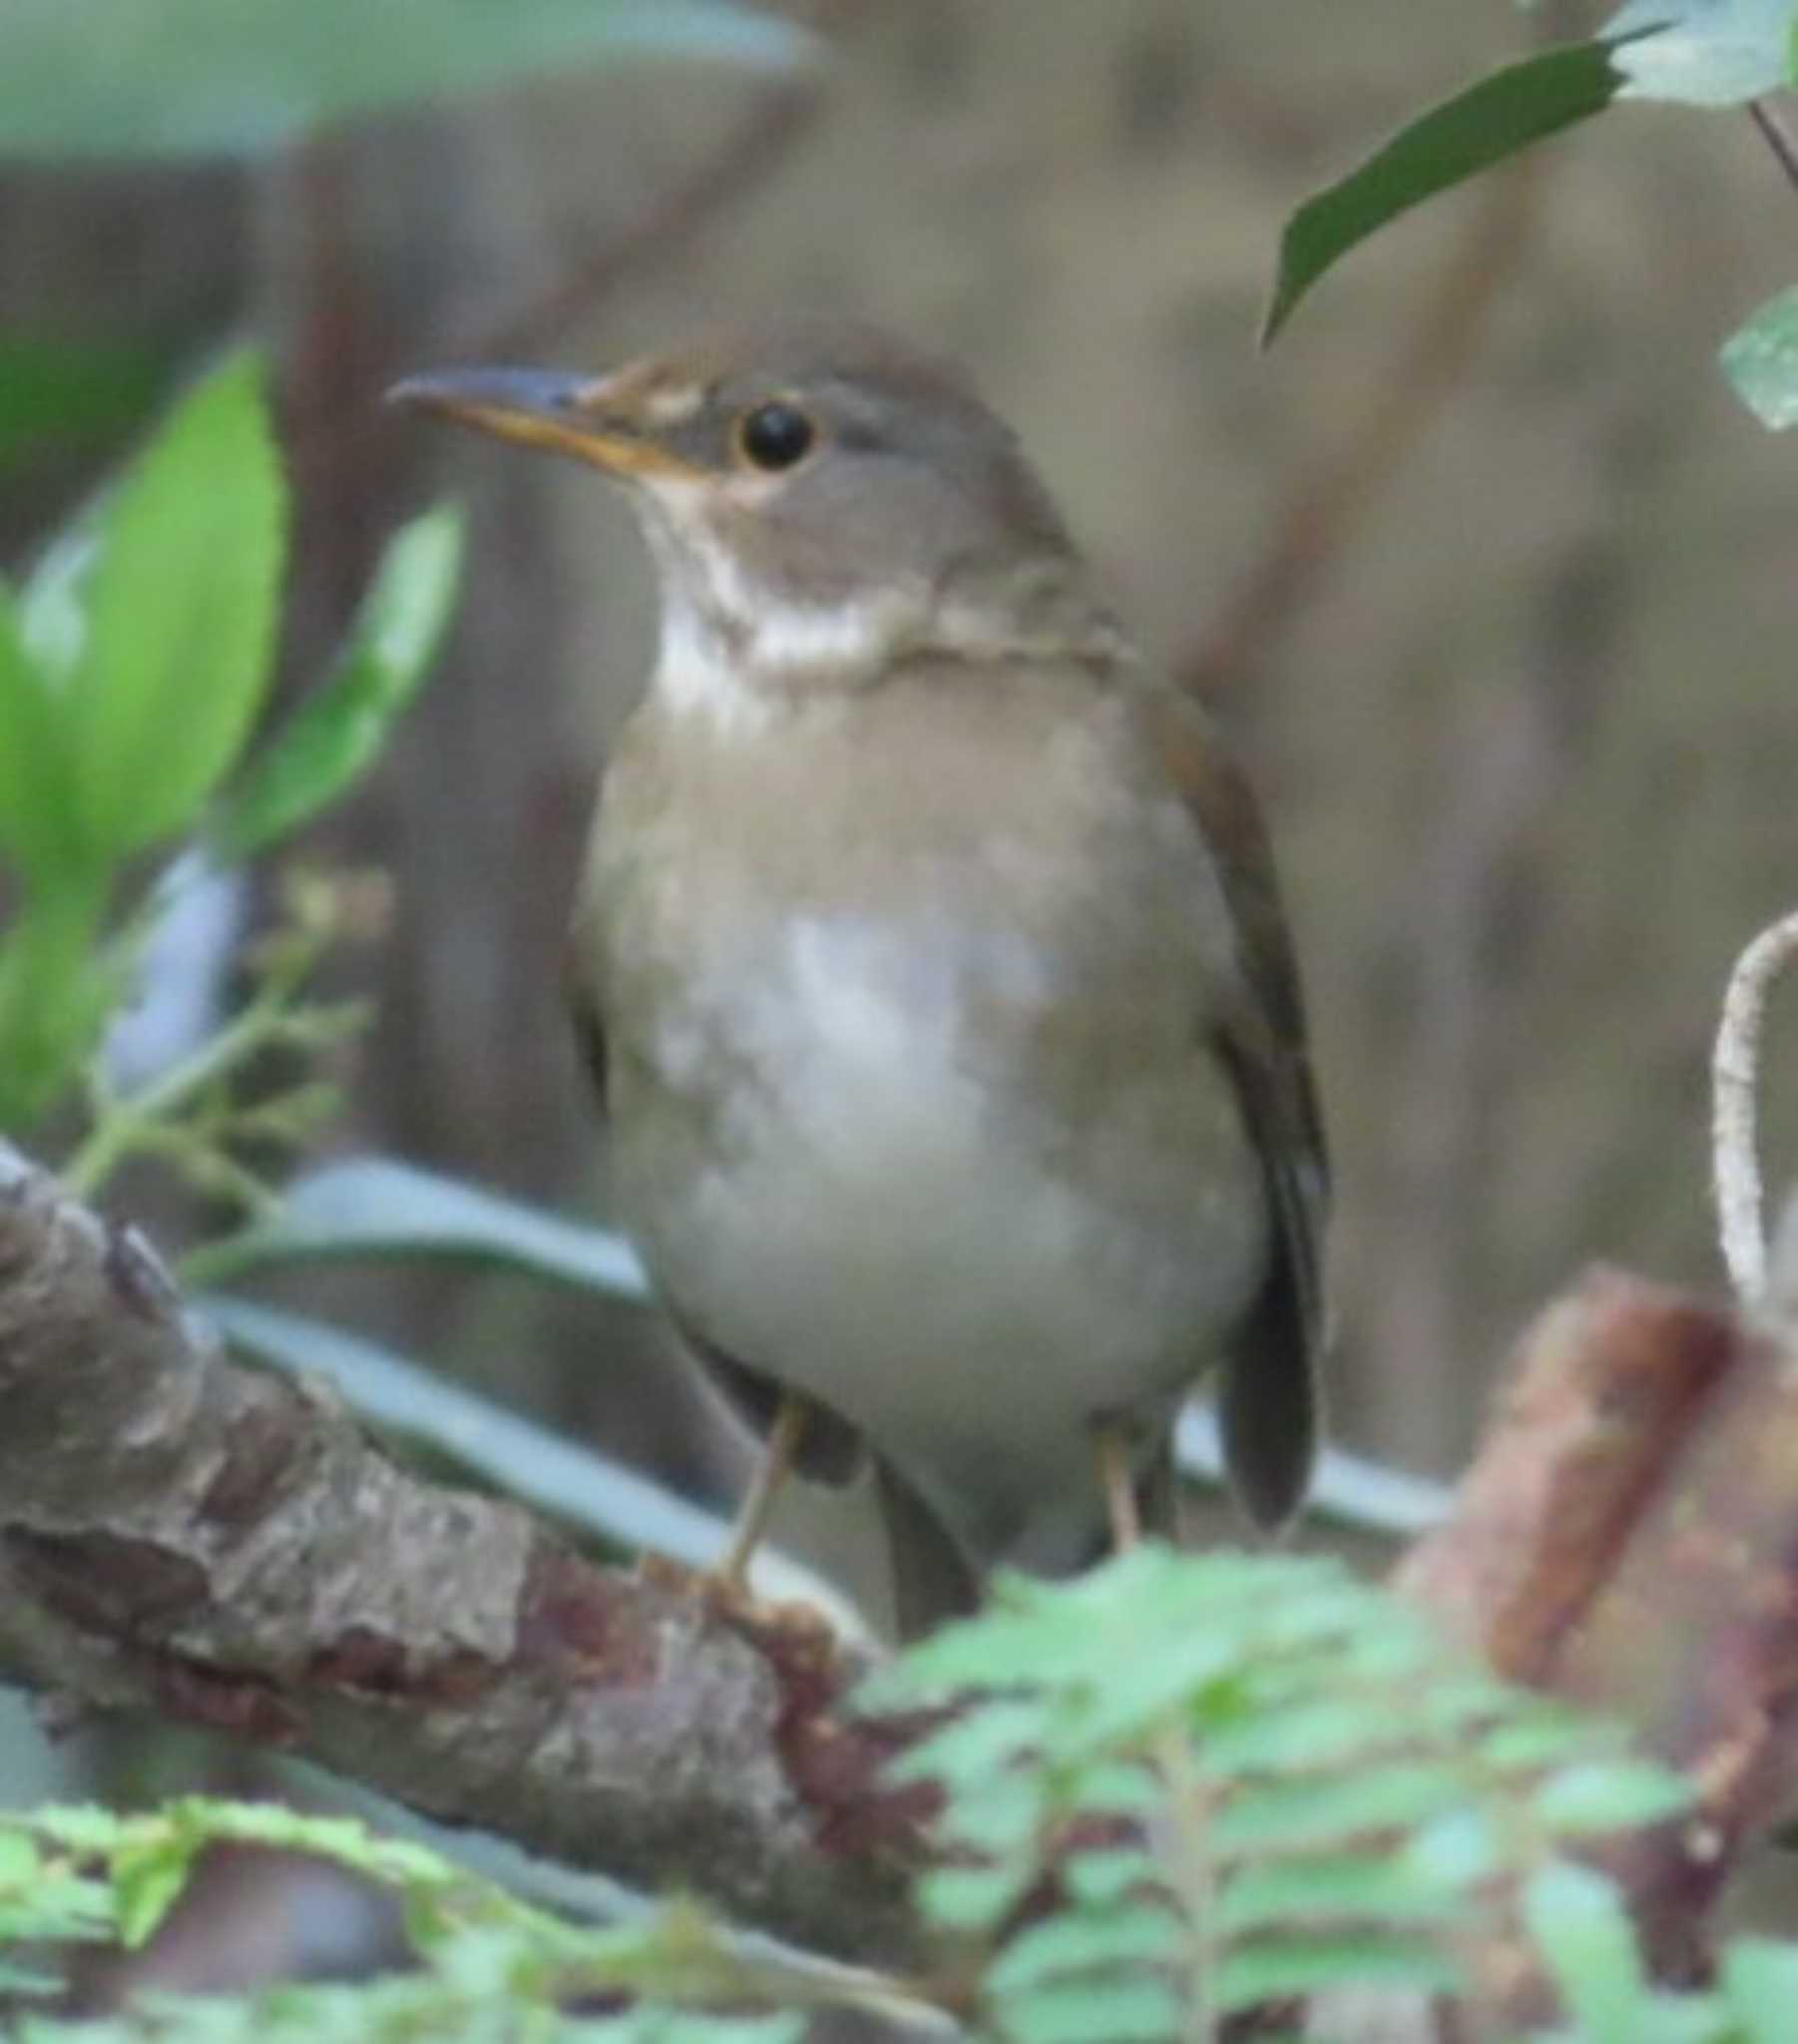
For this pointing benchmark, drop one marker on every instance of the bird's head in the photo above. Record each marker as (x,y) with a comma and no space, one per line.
(821,501)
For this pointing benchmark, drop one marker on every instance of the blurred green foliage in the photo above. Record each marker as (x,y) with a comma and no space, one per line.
(189,78)
(1696,53)
(1223,1782)
(58,397)
(133,665)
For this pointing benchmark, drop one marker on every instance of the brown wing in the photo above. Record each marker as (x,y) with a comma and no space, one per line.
(1269,1400)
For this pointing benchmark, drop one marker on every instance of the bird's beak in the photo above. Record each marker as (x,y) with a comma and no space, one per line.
(593,419)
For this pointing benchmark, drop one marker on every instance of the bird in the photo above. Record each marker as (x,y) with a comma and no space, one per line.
(932,968)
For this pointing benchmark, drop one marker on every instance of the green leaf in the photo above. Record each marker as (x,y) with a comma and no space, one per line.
(1108,1872)
(374,1207)
(181,617)
(1355,1886)
(120,78)
(147,1881)
(72,394)
(1136,1933)
(972,1897)
(20,1860)
(1373,1799)
(55,989)
(34,784)
(1760,359)
(1281,1968)
(340,729)
(1760,1985)
(1610,1795)
(1702,53)
(1584,1935)
(1478,128)
(972,1747)
(1130,2011)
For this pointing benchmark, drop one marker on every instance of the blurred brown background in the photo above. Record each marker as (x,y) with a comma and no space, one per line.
(1521,709)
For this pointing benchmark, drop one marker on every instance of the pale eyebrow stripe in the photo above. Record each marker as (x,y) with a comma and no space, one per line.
(670,407)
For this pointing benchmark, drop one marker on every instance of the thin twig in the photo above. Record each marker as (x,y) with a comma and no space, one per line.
(1778,139)
(1736,1077)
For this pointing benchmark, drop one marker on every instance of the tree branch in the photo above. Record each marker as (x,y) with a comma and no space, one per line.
(1736,1082)
(1625,1539)
(183,1536)
(186,1537)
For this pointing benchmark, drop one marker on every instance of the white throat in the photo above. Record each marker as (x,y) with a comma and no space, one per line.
(741,654)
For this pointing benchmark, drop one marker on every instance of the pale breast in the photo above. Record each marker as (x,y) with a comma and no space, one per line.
(879,1211)
(917,1113)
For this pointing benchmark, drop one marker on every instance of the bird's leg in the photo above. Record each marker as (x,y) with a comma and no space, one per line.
(772,1468)
(1111,1451)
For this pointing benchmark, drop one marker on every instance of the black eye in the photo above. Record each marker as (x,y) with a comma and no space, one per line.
(775,435)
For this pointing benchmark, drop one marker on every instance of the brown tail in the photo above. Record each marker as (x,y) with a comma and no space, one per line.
(933,1580)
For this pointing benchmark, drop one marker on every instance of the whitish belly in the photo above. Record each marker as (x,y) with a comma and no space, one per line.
(885,1214)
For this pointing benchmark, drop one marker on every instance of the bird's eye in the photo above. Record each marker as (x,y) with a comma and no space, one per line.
(775,435)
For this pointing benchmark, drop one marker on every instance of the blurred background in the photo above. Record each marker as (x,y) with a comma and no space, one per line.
(1488,576)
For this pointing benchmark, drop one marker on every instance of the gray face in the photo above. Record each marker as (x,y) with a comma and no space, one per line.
(812,492)
(834,462)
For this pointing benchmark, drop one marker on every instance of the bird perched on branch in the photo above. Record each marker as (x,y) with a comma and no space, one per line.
(933,967)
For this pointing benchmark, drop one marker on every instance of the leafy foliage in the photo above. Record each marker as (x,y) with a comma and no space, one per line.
(124,78)
(133,665)
(1347,1791)
(489,1966)
(340,729)
(177,605)
(1478,128)
(1182,1787)
(1700,53)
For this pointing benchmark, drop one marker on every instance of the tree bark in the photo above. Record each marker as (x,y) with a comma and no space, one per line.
(182,1536)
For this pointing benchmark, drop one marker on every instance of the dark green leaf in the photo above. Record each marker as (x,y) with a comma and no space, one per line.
(34,781)
(111,77)
(1760,359)
(72,394)
(181,617)
(1464,135)
(374,1207)
(339,730)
